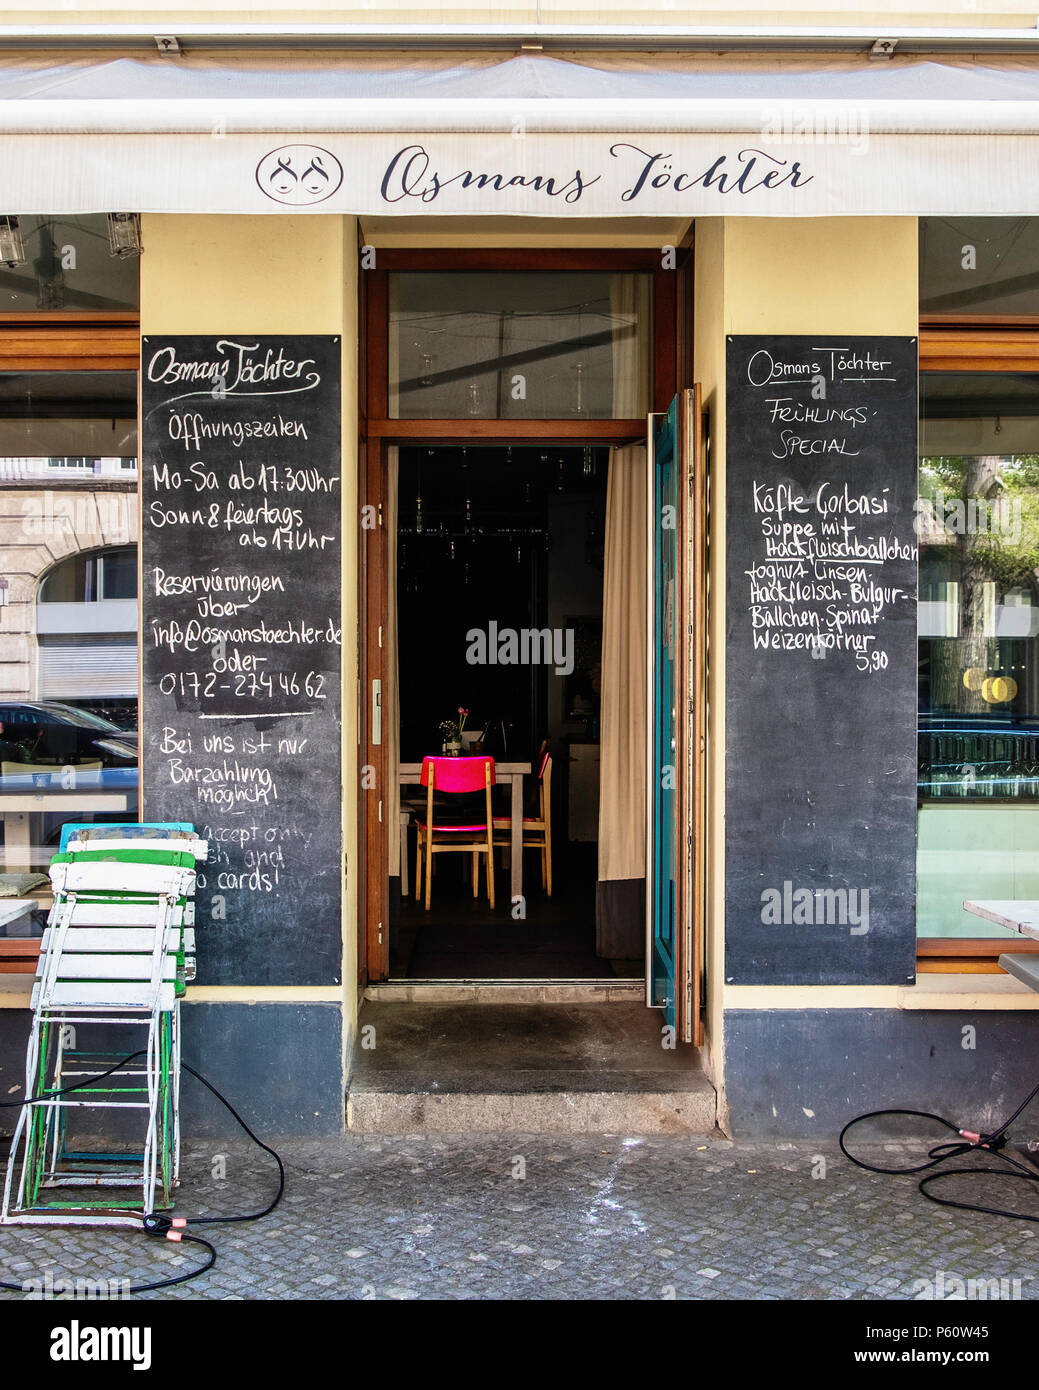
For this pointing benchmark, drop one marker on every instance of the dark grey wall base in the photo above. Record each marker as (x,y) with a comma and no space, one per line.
(280,1066)
(279,1063)
(792,1074)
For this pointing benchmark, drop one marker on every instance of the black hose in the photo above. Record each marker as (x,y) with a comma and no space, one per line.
(161,1225)
(968,1141)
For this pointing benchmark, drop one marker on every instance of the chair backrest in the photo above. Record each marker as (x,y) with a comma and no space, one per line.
(128,830)
(457,774)
(120,934)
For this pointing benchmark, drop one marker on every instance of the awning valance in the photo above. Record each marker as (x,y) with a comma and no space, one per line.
(473,134)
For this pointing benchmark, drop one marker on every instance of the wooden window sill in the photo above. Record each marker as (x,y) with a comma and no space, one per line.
(973,955)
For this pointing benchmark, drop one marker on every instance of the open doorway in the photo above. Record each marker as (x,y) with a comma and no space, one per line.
(534,373)
(499,579)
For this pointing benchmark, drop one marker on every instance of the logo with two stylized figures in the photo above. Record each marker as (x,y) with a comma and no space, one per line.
(299,175)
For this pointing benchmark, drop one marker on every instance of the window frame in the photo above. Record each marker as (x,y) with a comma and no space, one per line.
(60,342)
(952,343)
(379,426)
(671,363)
(65,341)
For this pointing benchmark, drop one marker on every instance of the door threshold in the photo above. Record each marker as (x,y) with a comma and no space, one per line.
(527,991)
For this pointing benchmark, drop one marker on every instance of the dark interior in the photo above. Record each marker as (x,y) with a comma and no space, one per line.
(489,539)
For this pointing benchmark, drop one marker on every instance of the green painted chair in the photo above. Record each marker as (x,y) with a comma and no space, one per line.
(118,952)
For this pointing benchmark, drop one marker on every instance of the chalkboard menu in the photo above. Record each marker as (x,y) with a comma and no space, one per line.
(821,665)
(242,641)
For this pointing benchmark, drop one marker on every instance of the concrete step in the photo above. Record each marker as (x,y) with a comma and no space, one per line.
(522,1068)
(541,1104)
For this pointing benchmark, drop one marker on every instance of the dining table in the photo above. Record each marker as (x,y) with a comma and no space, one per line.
(512,775)
(111,789)
(1020,915)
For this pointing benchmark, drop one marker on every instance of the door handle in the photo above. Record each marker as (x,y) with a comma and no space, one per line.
(376,711)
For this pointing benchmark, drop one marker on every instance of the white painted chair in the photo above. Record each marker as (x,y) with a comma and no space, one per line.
(118,951)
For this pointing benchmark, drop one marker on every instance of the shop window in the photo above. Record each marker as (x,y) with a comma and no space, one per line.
(978,529)
(979,267)
(68,480)
(509,345)
(72,426)
(86,631)
(68,268)
(96,578)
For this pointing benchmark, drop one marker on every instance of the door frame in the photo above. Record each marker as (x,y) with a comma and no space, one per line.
(670,351)
(689,665)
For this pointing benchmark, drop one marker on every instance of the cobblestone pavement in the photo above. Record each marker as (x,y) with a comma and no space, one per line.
(493,1217)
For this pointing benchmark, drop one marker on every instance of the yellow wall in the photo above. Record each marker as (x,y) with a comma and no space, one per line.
(821,275)
(604,233)
(758,275)
(233,275)
(230,275)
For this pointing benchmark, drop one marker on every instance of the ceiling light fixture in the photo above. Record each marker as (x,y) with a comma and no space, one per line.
(124,234)
(12,252)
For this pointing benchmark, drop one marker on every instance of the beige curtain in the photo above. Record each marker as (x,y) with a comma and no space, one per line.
(630,309)
(391,695)
(622,785)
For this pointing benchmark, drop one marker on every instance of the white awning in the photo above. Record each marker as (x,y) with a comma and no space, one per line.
(470,134)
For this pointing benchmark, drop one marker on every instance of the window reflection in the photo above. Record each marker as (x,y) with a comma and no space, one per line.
(68,268)
(67,426)
(978,527)
(516,345)
(979,266)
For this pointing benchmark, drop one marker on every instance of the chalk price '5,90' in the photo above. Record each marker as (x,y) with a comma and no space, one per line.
(871,661)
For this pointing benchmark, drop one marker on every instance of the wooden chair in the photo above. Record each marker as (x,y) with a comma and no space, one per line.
(442,834)
(537,830)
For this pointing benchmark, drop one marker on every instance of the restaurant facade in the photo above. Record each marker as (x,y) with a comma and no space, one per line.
(663,420)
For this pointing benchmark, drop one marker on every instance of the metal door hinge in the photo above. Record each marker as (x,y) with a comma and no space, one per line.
(376,711)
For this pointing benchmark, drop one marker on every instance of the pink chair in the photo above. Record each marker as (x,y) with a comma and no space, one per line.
(445,835)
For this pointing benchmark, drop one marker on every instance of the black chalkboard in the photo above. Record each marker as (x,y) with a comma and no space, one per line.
(821,666)
(242,641)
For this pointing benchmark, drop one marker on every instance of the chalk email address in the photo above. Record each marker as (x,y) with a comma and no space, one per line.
(193,635)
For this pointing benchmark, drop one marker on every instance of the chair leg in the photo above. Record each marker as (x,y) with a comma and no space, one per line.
(418,864)
(548,864)
(490,873)
(429,868)
(476,874)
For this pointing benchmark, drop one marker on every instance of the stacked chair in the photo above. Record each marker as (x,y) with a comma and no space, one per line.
(117,954)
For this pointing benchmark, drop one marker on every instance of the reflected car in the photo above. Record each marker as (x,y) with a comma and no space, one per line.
(40,732)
